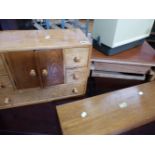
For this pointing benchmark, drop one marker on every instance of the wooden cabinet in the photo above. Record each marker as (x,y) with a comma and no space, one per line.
(35,68)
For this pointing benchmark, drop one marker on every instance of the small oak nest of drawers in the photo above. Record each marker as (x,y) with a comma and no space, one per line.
(38,66)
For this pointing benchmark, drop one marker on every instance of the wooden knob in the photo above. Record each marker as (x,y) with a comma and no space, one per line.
(7,100)
(44,72)
(32,72)
(2,86)
(75,77)
(76,59)
(75,91)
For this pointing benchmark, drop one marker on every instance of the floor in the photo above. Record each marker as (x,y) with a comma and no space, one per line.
(43,119)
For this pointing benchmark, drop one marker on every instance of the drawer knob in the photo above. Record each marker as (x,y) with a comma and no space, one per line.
(75,91)
(7,100)
(44,72)
(32,72)
(2,86)
(76,59)
(75,77)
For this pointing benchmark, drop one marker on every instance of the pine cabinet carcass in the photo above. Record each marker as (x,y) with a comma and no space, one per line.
(42,65)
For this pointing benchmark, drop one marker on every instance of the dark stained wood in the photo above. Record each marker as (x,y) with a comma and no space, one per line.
(138,69)
(50,67)
(21,64)
(110,113)
(142,55)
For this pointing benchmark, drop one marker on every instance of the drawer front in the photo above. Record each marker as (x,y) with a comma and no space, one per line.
(121,68)
(61,91)
(5,84)
(5,101)
(76,75)
(2,68)
(38,95)
(76,57)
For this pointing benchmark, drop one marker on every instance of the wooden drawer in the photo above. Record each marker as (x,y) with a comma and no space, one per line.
(5,101)
(121,68)
(38,95)
(76,57)
(5,84)
(2,68)
(116,75)
(76,75)
(61,91)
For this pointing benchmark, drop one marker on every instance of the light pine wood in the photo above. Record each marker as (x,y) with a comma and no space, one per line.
(76,57)
(41,39)
(110,113)
(38,95)
(42,66)
(2,68)
(121,68)
(5,83)
(8,72)
(76,75)
(5,102)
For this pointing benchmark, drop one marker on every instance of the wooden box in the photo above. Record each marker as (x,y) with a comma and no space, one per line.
(42,65)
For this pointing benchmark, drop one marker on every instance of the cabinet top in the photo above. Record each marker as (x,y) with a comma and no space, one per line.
(41,39)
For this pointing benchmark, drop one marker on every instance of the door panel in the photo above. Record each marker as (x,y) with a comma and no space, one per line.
(23,68)
(50,67)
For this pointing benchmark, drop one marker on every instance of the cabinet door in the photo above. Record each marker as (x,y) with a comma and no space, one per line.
(23,69)
(50,67)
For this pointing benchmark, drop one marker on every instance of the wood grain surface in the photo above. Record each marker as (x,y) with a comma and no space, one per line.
(39,95)
(137,69)
(76,57)
(42,66)
(117,75)
(110,113)
(76,75)
(140,55)
(42,39)
(50,61)
(20,65)
(2,68)
(5,83)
